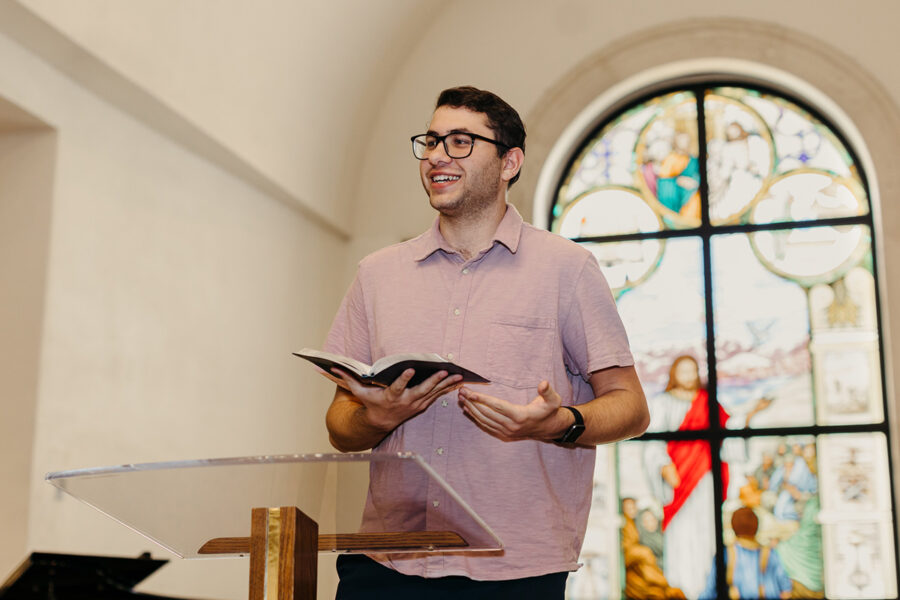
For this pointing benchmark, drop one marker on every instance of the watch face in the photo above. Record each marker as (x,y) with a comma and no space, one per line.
(575,429)
(573,433)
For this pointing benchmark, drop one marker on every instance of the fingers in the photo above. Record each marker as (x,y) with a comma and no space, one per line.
(346,381)
(362,391)
(490,420)
(336,378)
(404,399)
(549,394)
(446,386)
(399,384)
(509,421)
(432,388)
(492,429)
(439,380)
(484,416)
(493,415)
(494,404)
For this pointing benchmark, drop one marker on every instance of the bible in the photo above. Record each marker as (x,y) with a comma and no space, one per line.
(387,369)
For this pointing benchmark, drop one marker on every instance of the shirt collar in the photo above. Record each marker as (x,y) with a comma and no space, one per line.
(508,233)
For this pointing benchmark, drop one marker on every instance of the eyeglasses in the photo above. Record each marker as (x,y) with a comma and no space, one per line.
(457,144)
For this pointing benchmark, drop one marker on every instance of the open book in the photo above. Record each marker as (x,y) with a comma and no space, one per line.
(387,369)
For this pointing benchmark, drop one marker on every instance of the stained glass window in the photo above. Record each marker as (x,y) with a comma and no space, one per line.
(734,227)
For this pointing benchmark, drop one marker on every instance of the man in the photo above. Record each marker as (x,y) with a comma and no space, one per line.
(523,307)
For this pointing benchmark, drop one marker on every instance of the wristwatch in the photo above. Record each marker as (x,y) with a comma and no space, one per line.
(574,431)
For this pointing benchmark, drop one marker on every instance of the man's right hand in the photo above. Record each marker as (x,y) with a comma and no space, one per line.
(670,475)
(361,415)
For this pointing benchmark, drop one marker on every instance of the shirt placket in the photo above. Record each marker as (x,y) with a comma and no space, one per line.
(448,411)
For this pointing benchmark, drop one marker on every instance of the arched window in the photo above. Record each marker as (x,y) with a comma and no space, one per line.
(734,226)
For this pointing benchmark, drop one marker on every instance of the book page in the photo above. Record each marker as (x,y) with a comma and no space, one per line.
(321,358)
(386,361)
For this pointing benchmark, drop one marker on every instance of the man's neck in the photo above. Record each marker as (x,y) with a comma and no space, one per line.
(470,234)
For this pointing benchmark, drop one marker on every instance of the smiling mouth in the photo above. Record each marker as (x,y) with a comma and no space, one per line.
(444,178)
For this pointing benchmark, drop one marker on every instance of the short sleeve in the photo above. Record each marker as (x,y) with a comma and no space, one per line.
(593,335)
(349,333)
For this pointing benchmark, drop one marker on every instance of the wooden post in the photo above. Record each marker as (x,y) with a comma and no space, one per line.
(284,545)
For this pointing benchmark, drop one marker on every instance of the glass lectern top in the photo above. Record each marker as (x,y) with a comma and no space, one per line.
(187,506)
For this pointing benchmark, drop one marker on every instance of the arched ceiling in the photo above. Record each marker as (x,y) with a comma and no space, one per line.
(287,85)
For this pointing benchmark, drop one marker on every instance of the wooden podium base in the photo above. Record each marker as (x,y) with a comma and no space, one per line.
(284,546)
(284,554)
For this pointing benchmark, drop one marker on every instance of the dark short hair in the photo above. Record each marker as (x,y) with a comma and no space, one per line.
(502,118)
(744,522)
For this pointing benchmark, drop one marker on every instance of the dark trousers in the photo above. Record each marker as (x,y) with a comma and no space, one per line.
(364,579)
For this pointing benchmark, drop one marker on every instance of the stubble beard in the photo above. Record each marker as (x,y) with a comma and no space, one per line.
(477,198)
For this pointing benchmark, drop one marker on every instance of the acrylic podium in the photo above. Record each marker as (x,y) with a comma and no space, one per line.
(273,509)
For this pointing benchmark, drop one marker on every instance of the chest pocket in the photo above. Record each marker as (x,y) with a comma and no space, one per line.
(520,349)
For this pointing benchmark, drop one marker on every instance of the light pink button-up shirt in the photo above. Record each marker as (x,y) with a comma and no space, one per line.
(532,306)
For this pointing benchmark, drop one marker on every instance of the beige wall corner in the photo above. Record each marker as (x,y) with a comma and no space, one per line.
(27,157)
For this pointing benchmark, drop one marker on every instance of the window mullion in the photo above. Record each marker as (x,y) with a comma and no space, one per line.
(714,434)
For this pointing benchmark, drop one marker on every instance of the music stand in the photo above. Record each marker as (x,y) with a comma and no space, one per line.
(54,576)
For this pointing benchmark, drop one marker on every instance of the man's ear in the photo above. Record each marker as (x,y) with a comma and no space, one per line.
(512,163)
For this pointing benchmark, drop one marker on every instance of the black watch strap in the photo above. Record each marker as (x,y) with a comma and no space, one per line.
(575,429)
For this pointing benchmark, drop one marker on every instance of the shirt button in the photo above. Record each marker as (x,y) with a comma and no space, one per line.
(440,450)
(465,271)
(456,311)
(443,403)
(449,356)
(435,503)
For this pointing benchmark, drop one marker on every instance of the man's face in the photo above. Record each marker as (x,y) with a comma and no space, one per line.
(462,186)
(686,375)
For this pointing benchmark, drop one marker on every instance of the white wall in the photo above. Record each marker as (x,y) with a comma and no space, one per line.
(290,86)
(27,152)
(175,294)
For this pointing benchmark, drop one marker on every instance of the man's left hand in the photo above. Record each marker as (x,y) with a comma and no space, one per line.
(538,419)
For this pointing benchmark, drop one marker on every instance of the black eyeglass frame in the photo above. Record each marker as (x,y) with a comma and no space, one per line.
(443,140)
